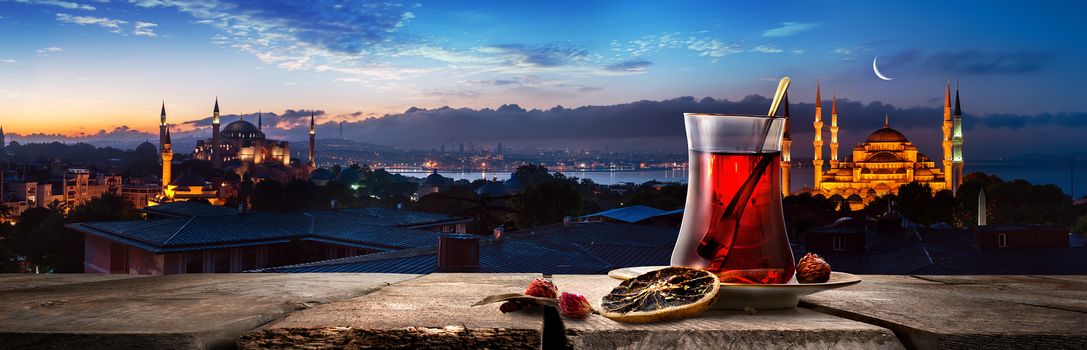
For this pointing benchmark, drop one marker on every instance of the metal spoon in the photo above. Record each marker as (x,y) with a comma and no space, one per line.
(783,85)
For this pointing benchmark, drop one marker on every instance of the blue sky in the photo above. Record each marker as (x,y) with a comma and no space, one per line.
(81,66)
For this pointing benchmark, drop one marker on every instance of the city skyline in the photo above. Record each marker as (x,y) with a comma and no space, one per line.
(102,68)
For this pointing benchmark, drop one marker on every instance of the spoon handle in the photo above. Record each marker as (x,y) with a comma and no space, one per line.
(783,85)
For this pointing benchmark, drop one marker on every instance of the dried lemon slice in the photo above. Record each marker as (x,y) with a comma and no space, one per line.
(665,294)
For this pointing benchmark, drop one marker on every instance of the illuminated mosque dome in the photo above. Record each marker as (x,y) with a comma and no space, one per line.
(242,130)
(886,134)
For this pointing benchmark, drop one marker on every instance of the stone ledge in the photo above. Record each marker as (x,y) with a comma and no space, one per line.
(926,312)
(177,311)
(408,311)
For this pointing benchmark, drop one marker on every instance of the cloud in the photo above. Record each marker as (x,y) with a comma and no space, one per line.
(63,4)
(978,62)
(10,61)
(144,29)
(713,48)
(789,28)
(49,50)
(114,25)
(767,49)
(632,66)
(551,55)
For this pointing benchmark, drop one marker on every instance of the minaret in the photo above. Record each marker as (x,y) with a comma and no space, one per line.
(817,158)
(312,134)
(260,120)
(946,142)
(786,151)
(167,154)
(162,128)
(216,153)
(982,213)
(834,132)
(3,141)
(956,142)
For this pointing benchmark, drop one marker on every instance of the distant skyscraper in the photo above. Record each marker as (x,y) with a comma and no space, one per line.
(462,147)
(499,149)
(443,148)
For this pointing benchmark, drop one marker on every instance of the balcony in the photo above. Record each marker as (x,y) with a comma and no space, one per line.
(252,311)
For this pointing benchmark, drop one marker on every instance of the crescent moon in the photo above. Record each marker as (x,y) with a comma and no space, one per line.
(876,69)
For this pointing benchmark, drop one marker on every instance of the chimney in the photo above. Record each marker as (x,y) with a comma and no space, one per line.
(498,231)
(567,221)
(458,252)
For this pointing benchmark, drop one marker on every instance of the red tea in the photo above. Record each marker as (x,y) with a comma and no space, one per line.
(735,215)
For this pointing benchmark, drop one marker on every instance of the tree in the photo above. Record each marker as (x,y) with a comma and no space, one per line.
(668,197)
(267,196)
(914,199)
(532,174)
(546,203)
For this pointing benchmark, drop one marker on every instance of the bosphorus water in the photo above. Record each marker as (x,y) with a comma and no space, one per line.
(1045,171)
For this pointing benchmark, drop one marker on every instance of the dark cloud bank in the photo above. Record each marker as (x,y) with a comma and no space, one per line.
(658,126)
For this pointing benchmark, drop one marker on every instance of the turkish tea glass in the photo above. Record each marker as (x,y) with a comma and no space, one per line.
(732,223)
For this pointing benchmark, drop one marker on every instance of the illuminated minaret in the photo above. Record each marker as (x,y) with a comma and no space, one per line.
(956,141)
(312,134)
(946,142)
(834,132)
(786,151)
(162,128)
(167,159)
(817,159)
(216,153)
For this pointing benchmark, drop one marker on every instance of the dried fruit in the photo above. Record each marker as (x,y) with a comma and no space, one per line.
(669,293)
(812,269)
(542,288)
(574,305)
(511,306)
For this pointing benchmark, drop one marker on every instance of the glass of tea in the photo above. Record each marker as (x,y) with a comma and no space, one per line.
(733,223)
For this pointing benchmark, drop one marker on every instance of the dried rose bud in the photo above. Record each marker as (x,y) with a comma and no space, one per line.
(812,269)
(574,305)
(511,306)
(542,288)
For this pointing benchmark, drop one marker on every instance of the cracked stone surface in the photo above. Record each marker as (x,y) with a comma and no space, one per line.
(967,311)
(176,311)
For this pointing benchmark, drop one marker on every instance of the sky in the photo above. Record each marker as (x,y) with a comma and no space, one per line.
(101,68)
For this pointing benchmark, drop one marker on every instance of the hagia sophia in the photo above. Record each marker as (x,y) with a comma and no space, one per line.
(880,164)
(240,148)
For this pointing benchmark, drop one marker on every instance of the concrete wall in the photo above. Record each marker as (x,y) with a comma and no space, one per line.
(96,258)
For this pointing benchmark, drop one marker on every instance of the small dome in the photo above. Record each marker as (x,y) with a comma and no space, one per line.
(886,135)
(349,176)
(492,189)
(434,179)
(321,174)
(147,147)
(514,185)
(883,157)
(923,172)
(188,179)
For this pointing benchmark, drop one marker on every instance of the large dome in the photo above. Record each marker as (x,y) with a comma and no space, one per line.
(242,130)
(886,135)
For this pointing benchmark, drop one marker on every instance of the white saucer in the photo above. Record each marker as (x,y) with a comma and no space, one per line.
(738,296)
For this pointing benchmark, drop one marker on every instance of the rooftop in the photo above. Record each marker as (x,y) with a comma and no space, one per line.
(582,248)
(197,227)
